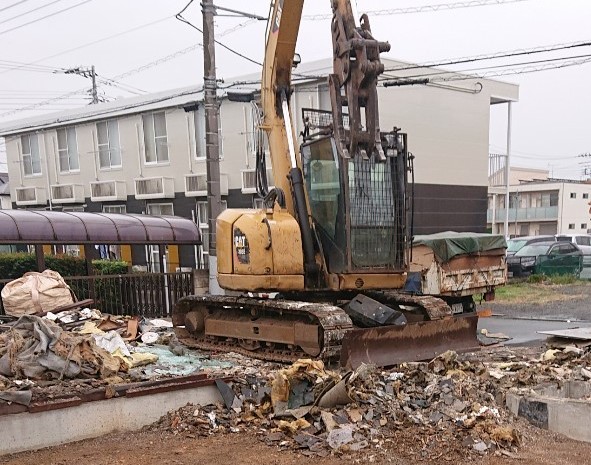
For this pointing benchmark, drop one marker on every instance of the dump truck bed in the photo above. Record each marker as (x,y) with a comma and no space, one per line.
(458,264)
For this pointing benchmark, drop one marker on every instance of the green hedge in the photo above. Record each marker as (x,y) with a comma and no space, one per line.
(13,266)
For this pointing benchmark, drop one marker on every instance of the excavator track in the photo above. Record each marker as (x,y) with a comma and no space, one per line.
(332,322)
(433,330)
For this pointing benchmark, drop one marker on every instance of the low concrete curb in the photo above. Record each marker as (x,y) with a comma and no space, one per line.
(29,431)
(563,410)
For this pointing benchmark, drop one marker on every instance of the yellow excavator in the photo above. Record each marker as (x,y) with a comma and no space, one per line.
(333,241)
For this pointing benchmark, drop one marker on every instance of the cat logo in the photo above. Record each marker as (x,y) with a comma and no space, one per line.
(241,247)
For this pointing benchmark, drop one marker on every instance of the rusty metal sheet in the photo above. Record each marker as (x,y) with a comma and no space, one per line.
(10,409)
(55,404)
(391,345)
(172,386)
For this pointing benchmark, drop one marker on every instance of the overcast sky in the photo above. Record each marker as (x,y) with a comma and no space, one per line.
(550,122)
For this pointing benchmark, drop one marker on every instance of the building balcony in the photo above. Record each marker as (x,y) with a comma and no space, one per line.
(524,214)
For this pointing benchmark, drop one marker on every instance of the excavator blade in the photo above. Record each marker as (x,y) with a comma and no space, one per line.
(390,345)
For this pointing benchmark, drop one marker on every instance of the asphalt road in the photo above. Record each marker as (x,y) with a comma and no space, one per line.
(524,331)
(522,321)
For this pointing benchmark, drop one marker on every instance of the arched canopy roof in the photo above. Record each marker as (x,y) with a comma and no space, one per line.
(51,227)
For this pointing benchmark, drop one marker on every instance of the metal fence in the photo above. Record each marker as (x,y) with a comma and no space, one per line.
(147,294)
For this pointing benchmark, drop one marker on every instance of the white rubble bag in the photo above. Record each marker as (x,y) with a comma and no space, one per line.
(36,292)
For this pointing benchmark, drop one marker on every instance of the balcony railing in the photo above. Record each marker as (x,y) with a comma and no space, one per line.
(524,214)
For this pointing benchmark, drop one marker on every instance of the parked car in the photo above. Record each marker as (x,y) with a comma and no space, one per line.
(515,244)
(583,241)
(546,257)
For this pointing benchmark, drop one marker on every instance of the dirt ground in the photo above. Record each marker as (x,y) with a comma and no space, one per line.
(539,447)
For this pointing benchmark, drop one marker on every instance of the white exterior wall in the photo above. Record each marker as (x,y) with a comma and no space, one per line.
(447,132)
(574,211)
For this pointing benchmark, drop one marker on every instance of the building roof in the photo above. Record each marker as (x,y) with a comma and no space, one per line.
(184,96)
(79,228)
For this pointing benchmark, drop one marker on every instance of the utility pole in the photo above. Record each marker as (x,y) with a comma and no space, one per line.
(94,92)
(212,145)
(87,73)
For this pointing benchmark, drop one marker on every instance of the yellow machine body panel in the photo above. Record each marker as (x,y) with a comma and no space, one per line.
(259,250)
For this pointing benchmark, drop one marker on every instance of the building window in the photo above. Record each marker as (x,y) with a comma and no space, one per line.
(155,139)
(108,144)
(583,225)
(573,195)
(114,209)
(550,199)
(159,209)
(586,195)
(571,226)
(30,154)
(67,148)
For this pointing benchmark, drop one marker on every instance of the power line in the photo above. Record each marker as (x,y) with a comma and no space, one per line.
(423,9)
(23,67)
(524,70)
(30,11)
(44,17)
(158,61)
(122,86)
(44,102)
(505,65)
(180,17)
(14,4)
(547,65)
(20,63)
(118,34)
(492,56)
(179,53)
(114,79)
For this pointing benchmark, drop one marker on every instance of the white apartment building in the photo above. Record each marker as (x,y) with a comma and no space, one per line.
(147,154)
(541,205)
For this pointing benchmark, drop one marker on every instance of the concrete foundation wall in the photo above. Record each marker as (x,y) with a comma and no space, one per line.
(30,431)
(568,416)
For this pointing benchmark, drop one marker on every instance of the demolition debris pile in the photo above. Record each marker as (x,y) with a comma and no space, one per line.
(74,351)
(444,406)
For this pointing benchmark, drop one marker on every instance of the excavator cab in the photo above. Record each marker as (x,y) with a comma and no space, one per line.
(358,204)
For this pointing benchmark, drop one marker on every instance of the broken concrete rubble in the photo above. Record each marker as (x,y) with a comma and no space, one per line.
(451,400)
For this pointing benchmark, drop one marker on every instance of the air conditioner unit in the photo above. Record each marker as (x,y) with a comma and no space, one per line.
(154,188)
(249,181)
(108,191)
(31,196)
(67,193)
(196,185)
